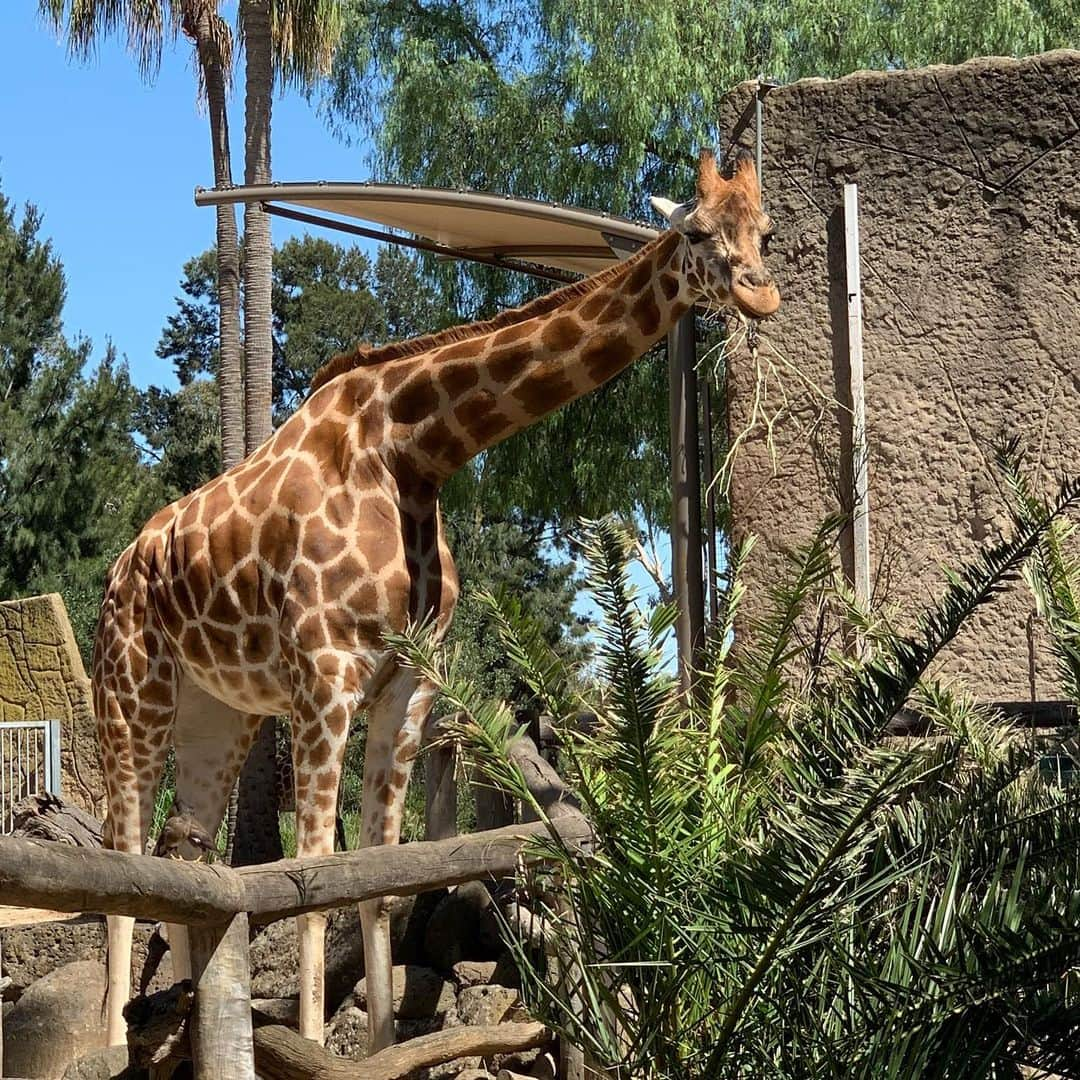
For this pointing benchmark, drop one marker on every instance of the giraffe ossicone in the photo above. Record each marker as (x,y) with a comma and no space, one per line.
(270,589)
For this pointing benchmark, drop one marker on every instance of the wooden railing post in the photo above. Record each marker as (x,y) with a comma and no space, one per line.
(221,1037)
(440,786)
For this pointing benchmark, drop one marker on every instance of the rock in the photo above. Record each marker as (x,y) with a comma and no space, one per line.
(419,993)
(347,1033)
(56,1021)
(464,926)
(451,1070)
(480,1005)
(474,972)
(275,956)
(501,972)
(34,951)
(101,1064)
(475,1074)
(278,1010)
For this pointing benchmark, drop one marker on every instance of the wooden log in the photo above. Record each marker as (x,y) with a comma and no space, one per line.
(37,873)
(293,886)
(281,1054)
(221,1033)
(546,786)
(158,1027)
(440,791)
(45,816)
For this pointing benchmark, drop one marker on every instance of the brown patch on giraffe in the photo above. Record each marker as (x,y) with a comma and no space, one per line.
(544,391)
(185,603)
(386,795)
(669,286)
(158,693)
(217,502)
(199,581)
(395,374)
(340,576)
(277,541)
(340,510)
(229,541)
(258,642)
(304,586)
(320,753)
(319,402)
(593,305)
(457,378)
(311,633)
(326,781)
(224,645)
(606,355)
(337,720)
(613,310)
(321,546)
(222,609)
(439,442)
(301,490)
(562,333)
(640,276)
(463,350)
(513,333)
(416,400)
(327,665)
(503,365)
(325,440)
(288,436)
(646,314)
(245,583)
(385,546)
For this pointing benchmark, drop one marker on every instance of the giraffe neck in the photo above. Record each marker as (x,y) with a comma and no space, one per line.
(468,396)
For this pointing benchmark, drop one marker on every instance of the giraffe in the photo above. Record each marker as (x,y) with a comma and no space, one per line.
(269,589)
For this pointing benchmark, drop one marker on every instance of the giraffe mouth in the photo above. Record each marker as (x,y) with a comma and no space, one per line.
(757,301)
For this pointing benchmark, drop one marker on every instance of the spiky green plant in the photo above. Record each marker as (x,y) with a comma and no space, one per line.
(778,889)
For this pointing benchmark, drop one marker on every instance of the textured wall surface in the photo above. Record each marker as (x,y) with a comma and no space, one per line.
(970,231)
(42,678)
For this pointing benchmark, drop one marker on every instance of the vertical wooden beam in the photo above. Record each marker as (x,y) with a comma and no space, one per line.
(221,1039)
(440,790)
(686,571)
(860,494)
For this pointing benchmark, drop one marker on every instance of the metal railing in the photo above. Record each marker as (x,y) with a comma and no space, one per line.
(29,763)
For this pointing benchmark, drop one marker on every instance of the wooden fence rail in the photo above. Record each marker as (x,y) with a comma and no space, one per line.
(219,902)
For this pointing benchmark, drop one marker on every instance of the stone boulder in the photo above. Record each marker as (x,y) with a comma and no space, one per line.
(481,1005)
(31,952)
(56,1021)
(419,994)
(103,1064)
(464,926)
(275,955)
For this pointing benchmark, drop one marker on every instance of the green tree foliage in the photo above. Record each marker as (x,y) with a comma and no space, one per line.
(69,472)
(599,103)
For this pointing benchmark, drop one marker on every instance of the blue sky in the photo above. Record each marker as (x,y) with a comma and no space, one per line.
(112,162)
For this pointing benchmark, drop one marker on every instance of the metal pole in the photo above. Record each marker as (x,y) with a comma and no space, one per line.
(860,495)
(759,94)
(686,495)
(713,577)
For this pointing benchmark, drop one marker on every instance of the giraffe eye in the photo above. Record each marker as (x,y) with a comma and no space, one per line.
(695,236)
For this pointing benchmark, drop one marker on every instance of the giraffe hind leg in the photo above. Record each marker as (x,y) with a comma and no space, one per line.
(395,726)
(211,740)
(134,702)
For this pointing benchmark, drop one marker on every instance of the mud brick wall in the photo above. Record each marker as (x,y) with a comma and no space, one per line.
(969,193)
(42,678)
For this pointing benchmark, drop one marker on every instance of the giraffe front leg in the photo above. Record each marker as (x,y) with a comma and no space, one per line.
(320,726)
(395,724)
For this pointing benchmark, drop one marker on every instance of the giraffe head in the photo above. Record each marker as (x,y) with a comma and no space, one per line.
(725,236)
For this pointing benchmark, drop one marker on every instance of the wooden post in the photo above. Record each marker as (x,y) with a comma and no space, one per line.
(440,789)
(221,1037)
(494,808)
(686,572)
(860,478)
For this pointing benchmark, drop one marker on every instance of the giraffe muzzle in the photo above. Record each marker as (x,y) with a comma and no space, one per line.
(758,299)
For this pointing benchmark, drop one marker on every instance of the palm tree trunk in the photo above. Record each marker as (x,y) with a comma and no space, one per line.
(258,342)
(258,837)
(205,28)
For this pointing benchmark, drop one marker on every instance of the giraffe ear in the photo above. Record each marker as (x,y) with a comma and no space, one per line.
(709,180)
(673,211)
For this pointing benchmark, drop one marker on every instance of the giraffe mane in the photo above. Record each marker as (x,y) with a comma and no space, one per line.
(367,355)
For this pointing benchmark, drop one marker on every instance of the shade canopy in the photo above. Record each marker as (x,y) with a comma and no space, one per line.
(493,228)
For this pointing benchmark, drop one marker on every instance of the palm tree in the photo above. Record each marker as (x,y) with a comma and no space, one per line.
(296,39)
(147,25)
(777,888)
